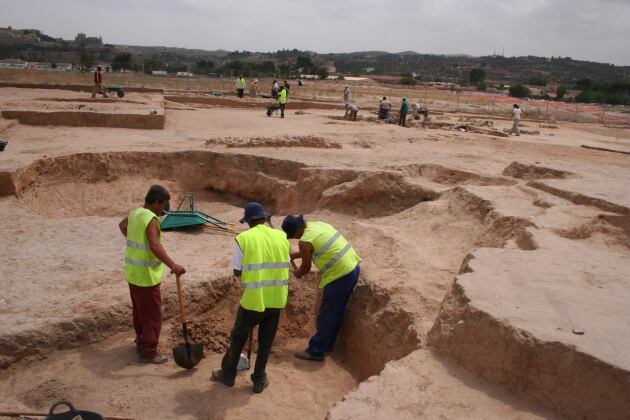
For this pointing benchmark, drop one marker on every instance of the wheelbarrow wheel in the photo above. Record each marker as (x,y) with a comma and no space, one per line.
(120,93)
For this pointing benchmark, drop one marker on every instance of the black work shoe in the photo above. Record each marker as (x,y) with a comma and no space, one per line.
(260,386)
(305,355)
(218,376)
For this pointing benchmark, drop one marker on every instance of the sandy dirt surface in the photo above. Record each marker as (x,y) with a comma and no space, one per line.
(415,203)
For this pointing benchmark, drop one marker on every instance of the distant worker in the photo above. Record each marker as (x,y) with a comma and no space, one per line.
(287,86)
(253,88)
(339,268)
(417,109)
(241,84)
(275,88)
(352,111)
(383,109)
(300,82)
(346,95)
(143,271)
(282,100)
(261,260)
(516,114)
(404,108)
(98,83)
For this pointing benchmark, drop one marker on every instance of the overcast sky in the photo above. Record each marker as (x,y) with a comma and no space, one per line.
(596,30)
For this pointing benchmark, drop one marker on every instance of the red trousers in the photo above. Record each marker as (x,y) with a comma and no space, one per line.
(147,318)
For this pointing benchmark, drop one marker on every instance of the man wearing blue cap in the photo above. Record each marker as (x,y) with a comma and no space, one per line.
(339,268)
(261,260)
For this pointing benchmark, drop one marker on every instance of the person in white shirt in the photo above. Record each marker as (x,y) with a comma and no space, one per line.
(516,114)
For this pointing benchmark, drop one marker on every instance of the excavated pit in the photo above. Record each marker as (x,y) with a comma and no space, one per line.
(78,191)
(64,108)
(98,188)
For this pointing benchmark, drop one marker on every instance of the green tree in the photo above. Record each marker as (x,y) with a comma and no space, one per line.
(410,81)
(584,84)
(122,61)
(560,92)
(519,91)
(477,75)
(53,65)
(322,72)
(305,63)
(86,61)
(151,64)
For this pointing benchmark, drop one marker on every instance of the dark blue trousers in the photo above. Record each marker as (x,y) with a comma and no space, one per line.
(334,301)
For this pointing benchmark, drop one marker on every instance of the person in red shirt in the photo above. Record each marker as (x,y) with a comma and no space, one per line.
(98,83)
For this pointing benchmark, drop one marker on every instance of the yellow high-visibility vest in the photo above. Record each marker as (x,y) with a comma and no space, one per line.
(282,96)
(142,267)
(332,254)
(265,268)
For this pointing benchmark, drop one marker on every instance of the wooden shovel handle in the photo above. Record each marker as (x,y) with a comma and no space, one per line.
(180,298)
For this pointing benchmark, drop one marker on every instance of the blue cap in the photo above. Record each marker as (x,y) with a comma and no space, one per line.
(292,224)
(253,211)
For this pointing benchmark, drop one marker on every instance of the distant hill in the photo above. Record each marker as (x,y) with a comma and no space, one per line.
(32,45)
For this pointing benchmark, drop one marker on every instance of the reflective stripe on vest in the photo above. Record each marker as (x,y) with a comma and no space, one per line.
(137,245)
(335,258)
(252,267)
(265,283)
(326,246)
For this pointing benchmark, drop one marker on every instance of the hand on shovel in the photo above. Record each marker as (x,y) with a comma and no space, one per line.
(177,269)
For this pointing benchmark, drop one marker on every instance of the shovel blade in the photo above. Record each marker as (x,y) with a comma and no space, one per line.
(188,355)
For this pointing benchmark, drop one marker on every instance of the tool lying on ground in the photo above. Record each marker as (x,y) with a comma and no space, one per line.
(71,414)
(191,217)
(189,354)
(3,144)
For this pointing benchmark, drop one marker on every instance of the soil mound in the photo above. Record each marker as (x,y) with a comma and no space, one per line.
(529,172)
(286,141)
(375,194)
(447,176)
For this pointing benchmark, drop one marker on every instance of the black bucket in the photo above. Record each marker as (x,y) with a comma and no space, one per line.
(72,413)
(3,144)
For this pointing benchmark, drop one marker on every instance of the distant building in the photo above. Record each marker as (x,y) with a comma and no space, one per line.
(369,69)
(159,73)
(330,67)
(11,63)
(184,74)
(38,65)
(88,41)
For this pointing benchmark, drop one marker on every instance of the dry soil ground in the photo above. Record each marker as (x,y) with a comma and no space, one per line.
(495,277)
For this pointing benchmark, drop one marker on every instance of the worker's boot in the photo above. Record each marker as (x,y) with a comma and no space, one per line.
(219,376)
(305,355)
(158,359)
(259,386)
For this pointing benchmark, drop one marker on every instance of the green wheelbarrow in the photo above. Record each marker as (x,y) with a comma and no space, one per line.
(186,218)
(120,92)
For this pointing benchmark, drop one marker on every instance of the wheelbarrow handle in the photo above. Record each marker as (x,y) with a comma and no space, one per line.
(180,298)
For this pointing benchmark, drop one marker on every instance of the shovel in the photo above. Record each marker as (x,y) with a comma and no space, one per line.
(188,355)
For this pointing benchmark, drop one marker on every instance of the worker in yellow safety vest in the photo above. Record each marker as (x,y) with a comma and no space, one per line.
(339,269)
(282,100)
(241,84)
(144,268)
(261,260)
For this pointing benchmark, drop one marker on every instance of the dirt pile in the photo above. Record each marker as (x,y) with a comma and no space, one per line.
(286,141)
(212,327)
(529,172)
(450,177)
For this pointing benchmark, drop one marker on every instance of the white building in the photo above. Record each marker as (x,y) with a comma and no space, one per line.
(12,64)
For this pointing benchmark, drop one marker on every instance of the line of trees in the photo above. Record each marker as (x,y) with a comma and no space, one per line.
(616,93)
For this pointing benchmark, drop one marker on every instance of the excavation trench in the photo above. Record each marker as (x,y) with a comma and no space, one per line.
(78,192)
